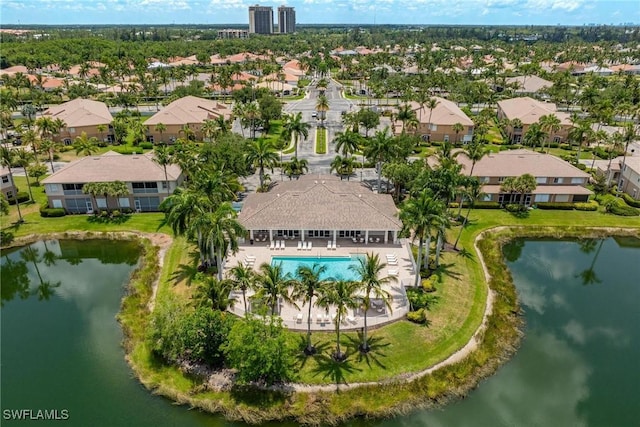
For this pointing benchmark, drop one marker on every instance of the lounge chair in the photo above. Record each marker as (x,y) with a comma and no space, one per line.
(327,318)
(393,272)
(334,246)
(309,245)
(351,319)
(329,247)
(392,261)
(272,245)
(299,318)
(283,244)
(300,243)
(354,240)
(319,317)
(250,257)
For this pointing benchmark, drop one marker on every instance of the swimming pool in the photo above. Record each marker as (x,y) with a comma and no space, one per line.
(337,267)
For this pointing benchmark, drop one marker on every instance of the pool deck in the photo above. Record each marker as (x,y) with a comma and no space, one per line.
(296,318)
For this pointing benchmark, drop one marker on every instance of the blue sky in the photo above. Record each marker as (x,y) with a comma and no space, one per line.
(501,12)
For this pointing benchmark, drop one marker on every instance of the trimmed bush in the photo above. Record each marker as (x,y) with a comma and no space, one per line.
(555,205)
(630,200)
(146,145)
(21,197)
(123,149)
(52,212)
(581,166)
(514,207)
(554,145)
(623,210)
(589,206)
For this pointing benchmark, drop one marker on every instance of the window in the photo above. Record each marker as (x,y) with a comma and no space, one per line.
(164,185)
(145,187)
(67,141)
(5,179)
(101,202)
(557,180)
(446,138)
(541,180)
(80,205)
(501,179)
(9,194)
(557,139)
(57,203)
(542,198)
(577,180)
(72,130)
(72,189)
(124,202)
(562,198)
(433,127)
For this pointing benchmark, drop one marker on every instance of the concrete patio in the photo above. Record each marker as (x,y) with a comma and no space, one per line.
(296,318)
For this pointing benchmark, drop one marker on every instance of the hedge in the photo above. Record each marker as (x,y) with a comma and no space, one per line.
(555,205)
(589,206)
(21,196)
(623,210)
(52,212)
(630,200)
(486,205)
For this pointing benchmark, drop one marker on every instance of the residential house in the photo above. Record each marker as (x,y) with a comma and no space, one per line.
(7,186)
(321,208)
(437,124)
(630,182)
(529,85)
(145,181)
(557,181)
(82,115)
(529,111)
(189,111)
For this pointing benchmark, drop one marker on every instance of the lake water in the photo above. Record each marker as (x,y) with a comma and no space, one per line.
(577,366)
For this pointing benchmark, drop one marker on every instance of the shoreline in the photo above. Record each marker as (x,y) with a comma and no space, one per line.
(496,237)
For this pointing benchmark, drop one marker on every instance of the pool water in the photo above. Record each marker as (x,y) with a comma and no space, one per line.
(337,267)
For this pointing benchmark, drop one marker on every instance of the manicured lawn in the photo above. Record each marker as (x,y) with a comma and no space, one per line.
(321,141)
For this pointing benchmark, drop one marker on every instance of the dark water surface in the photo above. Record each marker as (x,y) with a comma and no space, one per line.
(579,364)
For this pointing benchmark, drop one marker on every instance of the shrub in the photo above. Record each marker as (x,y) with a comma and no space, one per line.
(21,197)
(565,146)
(630,200)
(486,205)
(555,205)
(116,213)
(621,209)
(554,145)
(514,207)
(146,145)
(589,206)
(581,166)
(127,150)
(47,212)
(418,316)
(421,298)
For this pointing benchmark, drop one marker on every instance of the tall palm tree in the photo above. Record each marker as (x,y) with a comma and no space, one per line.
(341,294)
(580,133)
(160,128)
(343,166)
(514,124)
(422,214)
(405,114)
(261,153)
(550,123)
(347,142)
(223,232)
(272,285)
(472,194)
(117,189)
(7,157)
(244,278)
(369,270)
(431,104)
(628,136)
(93,189)
(296,167)
(525,184)
(475,151)
(85,145)
(535,136)
(380,149)
(305,289)
(162,156)
(322,106)
(457,128)
(23,159)
(294,126)
(214,292)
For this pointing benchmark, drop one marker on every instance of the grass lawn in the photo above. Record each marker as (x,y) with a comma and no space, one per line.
(321,141)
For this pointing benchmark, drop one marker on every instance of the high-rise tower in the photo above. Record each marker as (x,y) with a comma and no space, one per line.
(286,20)
(260,19)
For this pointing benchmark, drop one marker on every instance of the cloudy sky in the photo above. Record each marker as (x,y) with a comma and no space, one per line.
(505,12)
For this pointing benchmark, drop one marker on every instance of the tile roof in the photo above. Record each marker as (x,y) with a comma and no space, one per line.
(189,109)
(529,110)
(81,112)
(519,162)
(111,167)
(445,113)
(319,202)
(529,84)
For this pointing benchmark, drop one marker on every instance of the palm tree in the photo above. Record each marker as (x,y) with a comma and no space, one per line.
(342,295)
(117,189)
(628,136)
(294,126)
(535,136)
(515,124)
(85,145)
(475,151)
(94,189)
(405,114)
(222,232)
(261,153)
(251,113)
(472,194)
(101,128)
(162,156)
(214,292)
(431,104)
(457,128)
(525,184)
(272,285)
(244,279)
(31,138)
(322,106)
(369,270)
(7,156)
(209,129)
(23,159)
(422,214)
(550,123)
(343,166)
(306,288)
(615,146)
(580,133)
(296,167)
(509,185)
(348,142)
(160,128)
(380,149)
